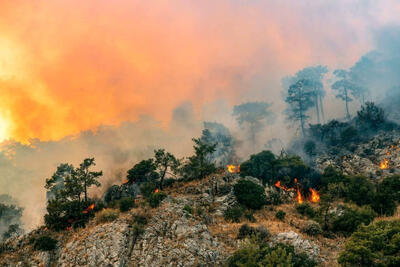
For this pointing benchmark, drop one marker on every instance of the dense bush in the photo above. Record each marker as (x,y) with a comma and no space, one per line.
(260,165)
(305,209)
(359,190)
(312,228)
(148,188)
(234,214)
(387,196)
(249,194)
(265,255)
(375,245)
(156,198)
(371,116)
(143,171)
(126,204)
(352,218)
(44,243)
(260,233)
(107,215)
(280,215)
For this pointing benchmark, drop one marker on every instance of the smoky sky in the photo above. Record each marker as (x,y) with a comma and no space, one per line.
(117,79)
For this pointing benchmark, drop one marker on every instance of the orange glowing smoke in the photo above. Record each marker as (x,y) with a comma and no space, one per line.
(314,195)
(384,164)
(233,168)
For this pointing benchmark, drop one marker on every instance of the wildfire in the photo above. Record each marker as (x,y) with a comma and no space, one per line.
(278,184)
(90,208)
(314,195)
(299,197)
(233,168)
(126,181)
(384,164)
(156,191)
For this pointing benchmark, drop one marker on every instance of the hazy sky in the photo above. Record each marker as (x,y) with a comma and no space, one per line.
(68,66)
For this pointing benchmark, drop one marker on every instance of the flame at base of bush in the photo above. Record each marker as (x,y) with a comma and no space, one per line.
(314,197)
(233,168)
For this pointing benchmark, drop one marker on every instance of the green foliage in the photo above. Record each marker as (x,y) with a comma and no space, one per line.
(371,116)
(264,255)
(310,148)
(155,199)
(280,215)
(260,165)
(332,176)
(148,188)
(253,116)
(352,218)
(260,233)
(312,228)
(12,231)
(188,209)
(305,209)
(65,206)
(44,243)
(164,162)
(268,168)
(249,215)
(234,214)
(144,171)
(249,194)
(359,190)
(387,196)
(107,215)
(299,100)
(126,204)
(375,245)
(199,165)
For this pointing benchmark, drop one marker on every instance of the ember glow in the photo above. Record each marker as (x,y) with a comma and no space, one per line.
(233,168)
(278,184)
(90,208)
(156,191)
(384,164)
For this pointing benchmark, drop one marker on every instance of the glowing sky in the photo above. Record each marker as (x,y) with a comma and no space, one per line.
(68,66)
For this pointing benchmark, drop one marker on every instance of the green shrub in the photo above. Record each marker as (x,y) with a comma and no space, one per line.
(359,190)
(375,245)
(156,198)
(147,189)
(234,214)
(305,209)
(264,255)
(249,194)
(140,219)
(188,209)
(260,233)
(249,215)
(224,190)
(352,218)
(280,215)
(107,215)
(387,196)
(126,204)
(312,228)
(44,243)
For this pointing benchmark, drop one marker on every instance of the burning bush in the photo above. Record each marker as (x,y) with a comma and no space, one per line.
(249,194)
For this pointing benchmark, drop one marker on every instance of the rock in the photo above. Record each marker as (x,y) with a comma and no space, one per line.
(299,244)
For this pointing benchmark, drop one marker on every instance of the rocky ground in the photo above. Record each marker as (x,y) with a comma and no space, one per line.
(375,159)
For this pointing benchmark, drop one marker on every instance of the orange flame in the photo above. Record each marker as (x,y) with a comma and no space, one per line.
(278,184)
(384,164)
(299,196)
(90,208)
(314,195)
(125,182)
(233,168)
(157,190)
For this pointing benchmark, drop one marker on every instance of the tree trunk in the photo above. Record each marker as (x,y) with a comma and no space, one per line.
(162,177)
(347,104)
(321,106)
(301,116)
(317,108)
